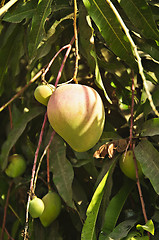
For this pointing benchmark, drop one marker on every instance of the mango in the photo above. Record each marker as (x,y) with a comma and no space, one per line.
(52,208)
(36,207)
(43,92)
(127,165)
(76,113)
(16,166)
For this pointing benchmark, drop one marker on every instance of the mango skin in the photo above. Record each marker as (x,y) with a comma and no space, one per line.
(52,208)
(76,113)
(16,166)
(128,167)
(36,207)
(42,93)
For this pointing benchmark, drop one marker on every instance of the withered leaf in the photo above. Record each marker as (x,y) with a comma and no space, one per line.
(101,152)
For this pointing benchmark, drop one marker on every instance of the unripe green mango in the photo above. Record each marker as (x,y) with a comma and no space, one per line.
(36,207)
(16,166)
(52,208)
(76,113)
(43,92)
(127,165)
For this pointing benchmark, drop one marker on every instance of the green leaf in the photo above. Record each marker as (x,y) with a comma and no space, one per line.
(149,227)
(155,98)
(37,28)
(14,134)
(139,13)
(110,29)
(88,231)
(7,54)
(150,127)
(21,11)
(120,231)
(62,170)
(86,38)
(148,157)
(114,208)
(98,80)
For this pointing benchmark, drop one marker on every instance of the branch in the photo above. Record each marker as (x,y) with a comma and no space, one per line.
(136,54)
(22,90)
(5,211)
(33,175)
(76,41)
(40,161)
(5,8)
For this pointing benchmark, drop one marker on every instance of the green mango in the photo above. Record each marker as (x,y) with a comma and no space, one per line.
(76,113)
(16,166)
(36,207)
(127,165)
(43,92)
(52,208)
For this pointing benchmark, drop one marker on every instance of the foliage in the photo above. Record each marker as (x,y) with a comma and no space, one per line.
(98,201)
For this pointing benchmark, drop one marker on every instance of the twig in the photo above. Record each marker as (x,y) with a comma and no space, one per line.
(132,110)
(136,54)
(33,175)
(11,123)
(62,65)
(76,42)
(139,190)
(43,72)
(5,8)
(40,161)
(9,236)
(5,211)
(22,90)
(52,60)
(48,169)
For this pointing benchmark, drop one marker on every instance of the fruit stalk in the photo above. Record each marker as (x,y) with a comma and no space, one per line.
(5,210)
(32,177)
(76,41)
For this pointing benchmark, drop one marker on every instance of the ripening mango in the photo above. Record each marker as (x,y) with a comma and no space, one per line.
(76,113)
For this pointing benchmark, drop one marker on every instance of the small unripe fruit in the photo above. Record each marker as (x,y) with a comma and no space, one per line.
(43,92)
(16,166)
(36,207)
(52,203)
(127,165)
(76,113)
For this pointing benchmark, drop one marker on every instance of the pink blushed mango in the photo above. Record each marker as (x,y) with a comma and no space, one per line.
(76,113)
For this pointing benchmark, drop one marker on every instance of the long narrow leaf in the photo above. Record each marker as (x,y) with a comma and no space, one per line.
(140,15)
(62,170)
(150,127)
(114,208)
(37,29)
(88,231)
(21,11)
(148,157)
(110,29)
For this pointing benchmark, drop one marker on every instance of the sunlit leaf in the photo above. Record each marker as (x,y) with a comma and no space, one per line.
(114,208)
(98,80)
(149,227)
(88,231)
(14,134)
(140,15)
(21,11)
(110,29)
(148,157)
(37,29)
